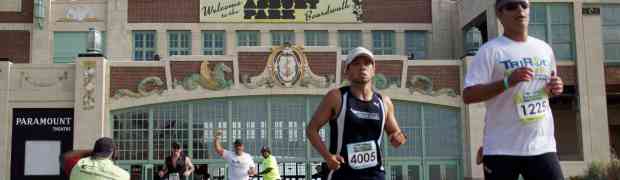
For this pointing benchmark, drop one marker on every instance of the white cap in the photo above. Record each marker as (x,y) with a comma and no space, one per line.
(357,52)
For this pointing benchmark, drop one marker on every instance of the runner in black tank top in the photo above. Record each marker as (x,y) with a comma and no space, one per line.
(356,136)
(357,116)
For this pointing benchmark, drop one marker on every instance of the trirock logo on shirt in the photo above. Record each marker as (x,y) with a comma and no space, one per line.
(365,115)
(539,65)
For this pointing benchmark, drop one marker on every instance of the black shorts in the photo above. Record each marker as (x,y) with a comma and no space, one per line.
(357,175)
(541,167)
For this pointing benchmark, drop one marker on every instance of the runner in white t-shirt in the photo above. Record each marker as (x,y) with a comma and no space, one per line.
(514,75)
(240,164)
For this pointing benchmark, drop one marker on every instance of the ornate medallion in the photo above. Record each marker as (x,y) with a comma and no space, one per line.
(286,67)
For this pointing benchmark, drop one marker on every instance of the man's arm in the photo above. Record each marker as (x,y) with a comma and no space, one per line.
(555,86)
(322,115)
(70,158)
(326,111)
(265,171)
(396,136)
(163,171)
(252,170)
(216,143)
(189,165)
(482,92)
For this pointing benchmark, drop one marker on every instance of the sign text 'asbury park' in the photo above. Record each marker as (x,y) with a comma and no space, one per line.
(281,11)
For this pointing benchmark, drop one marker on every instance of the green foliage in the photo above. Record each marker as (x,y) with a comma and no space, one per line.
(601,171)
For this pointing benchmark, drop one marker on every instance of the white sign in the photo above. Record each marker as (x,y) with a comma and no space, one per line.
(42,158)
(281,11)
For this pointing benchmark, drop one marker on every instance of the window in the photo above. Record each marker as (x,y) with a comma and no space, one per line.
(248,38)
(553,24)
(415,43)
(213,42)
(278,38)
(316,38)
(67,45)
(10,5)
(144,45)
(179,43)
(383,42)
(348,40)
(144,134)
(611,32)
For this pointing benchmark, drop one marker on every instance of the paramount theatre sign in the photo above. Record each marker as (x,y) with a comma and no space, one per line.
(284,11)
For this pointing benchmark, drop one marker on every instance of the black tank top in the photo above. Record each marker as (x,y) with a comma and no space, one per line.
(358,122)
(180,165)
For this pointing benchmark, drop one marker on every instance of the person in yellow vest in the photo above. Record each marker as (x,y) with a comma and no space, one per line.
(270,165)
(99,165)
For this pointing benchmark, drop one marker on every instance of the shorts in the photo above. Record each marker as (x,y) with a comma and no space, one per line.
(357,175)
(540,167)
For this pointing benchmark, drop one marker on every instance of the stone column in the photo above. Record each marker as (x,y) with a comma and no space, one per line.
(400,42)
(5,121)
(41,38)
(473,122)
(90,101)
(300,38)
(591,85)
(333,38)
(265,38)
(367,39)
(161,39)
(230,42)
(196,39)
(119,38)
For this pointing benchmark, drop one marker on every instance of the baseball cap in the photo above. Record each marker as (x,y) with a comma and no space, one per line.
(357,52)
(501,3)
(238,142)
(103,147)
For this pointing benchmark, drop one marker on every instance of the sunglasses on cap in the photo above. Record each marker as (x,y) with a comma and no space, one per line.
(514,5)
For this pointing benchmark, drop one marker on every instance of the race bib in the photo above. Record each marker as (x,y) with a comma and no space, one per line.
(174,176)
(532,106)
(362,155)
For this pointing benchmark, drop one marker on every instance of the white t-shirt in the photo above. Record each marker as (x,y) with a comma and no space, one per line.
(518,121)
(238,165)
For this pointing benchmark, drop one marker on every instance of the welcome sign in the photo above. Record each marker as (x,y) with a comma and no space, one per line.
(281,11)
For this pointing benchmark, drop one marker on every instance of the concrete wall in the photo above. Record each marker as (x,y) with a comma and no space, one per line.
(442,39)
(5,122)
(30,86)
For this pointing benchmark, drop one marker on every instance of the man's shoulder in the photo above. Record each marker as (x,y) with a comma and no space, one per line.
(84,160)
(539,43)
(492,44)
(120,172)
(533,39)
(248,155)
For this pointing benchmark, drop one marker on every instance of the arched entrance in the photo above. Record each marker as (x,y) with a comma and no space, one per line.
(144,135)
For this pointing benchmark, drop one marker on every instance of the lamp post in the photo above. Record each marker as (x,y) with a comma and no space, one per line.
(93,44)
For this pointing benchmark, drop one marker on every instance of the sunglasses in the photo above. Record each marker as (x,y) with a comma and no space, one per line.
(514,5)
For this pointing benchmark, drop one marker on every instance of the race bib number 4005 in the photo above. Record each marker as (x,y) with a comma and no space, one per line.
(362,155)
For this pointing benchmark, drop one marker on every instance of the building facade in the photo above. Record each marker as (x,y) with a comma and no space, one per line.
(175,71)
